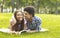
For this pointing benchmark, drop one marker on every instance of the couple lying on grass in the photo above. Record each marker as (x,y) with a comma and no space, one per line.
(25,21)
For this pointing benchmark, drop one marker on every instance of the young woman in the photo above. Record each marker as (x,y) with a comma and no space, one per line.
(17,22)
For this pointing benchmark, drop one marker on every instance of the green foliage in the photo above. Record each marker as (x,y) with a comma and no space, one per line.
(30,2)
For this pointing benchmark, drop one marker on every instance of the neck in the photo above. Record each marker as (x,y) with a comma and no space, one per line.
(19,21)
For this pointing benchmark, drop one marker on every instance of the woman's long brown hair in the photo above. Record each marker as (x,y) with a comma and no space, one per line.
(15,27)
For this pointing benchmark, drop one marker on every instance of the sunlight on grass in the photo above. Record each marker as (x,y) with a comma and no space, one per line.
(49,21)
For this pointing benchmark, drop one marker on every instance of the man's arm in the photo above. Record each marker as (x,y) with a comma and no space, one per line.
(39,22)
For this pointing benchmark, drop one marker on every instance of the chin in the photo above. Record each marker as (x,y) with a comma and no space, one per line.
(20,19)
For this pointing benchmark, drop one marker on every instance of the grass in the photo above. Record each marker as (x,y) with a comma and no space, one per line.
(49,21)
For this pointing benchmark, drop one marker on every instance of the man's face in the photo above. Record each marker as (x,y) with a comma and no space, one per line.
(27,15)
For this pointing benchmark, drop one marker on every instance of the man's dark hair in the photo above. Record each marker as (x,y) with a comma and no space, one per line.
(30,10)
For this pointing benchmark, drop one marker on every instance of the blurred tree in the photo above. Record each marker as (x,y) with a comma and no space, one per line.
(51,4)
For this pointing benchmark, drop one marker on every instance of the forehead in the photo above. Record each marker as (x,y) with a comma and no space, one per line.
(19,13)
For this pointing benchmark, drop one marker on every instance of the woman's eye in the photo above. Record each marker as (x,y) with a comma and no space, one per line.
(19,15)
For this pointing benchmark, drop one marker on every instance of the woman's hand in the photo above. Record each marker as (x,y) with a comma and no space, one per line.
(14,32)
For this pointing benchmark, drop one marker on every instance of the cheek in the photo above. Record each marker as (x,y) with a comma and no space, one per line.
(28,16)
(18,17)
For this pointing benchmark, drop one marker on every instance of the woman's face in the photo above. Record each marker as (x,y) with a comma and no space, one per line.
(19,16)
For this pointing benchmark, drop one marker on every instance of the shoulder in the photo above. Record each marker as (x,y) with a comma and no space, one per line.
(37,18)
(12,20)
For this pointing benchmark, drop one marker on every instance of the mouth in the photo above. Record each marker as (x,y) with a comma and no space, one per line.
(19,19)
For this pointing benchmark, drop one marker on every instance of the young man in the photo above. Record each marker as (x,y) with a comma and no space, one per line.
(33,22)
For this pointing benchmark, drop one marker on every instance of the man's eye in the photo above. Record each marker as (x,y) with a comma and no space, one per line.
(25,13)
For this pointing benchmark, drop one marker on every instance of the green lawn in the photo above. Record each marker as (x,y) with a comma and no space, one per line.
(49,21)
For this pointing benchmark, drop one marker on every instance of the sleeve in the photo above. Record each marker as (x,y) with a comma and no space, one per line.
(12,21)
(38,24)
